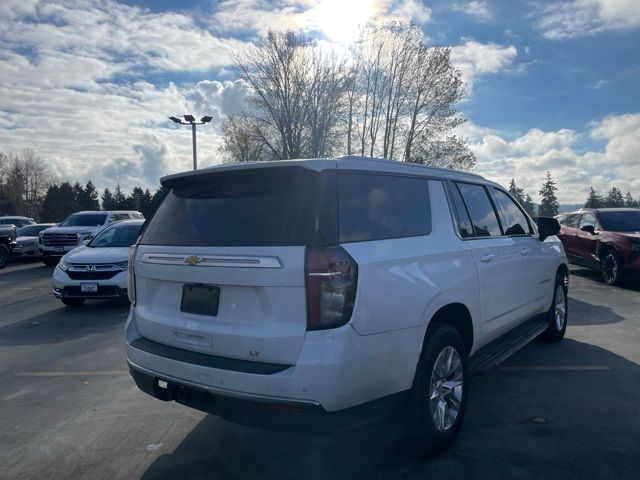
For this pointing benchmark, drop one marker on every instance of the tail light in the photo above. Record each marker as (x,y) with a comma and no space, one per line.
(332,278)
(131,277)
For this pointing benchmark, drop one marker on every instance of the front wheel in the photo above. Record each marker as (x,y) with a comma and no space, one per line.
(558,313)
(73,302)
(442,389)
(611,267)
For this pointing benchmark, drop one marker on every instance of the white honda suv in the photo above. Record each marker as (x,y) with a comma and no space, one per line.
(320,293)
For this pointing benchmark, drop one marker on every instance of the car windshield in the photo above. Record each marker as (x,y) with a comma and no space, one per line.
(31,230)
(116,236)
(84,220)
(624,221)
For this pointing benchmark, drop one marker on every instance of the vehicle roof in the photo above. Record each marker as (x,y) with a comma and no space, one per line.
(133,221)
(87,212)
(340,163)
(618,209)
(16,217)
(40,225)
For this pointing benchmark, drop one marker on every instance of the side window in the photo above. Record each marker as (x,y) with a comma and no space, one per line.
(483,216)
(513,219)
(588,220)
(464,222)
(375,207)
(572,220)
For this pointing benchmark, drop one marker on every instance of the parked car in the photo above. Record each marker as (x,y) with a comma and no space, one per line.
(7,242)
(97,269)
(76,229)
(604,239)
(27,242)
(334,290)
(17,221)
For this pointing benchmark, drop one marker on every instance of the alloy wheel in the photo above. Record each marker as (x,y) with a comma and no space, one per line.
(445,391)
(560,312)
(610,267)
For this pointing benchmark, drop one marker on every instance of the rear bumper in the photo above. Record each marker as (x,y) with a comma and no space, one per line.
(335,370)
(272,413)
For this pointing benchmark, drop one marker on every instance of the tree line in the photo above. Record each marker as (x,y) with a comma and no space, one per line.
(392,95)
(612,199)
(28,188)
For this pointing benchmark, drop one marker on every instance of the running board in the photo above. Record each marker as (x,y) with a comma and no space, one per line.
(496,352)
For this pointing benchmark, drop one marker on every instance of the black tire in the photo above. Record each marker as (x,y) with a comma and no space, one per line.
(73,302)
(50,262)
(558,312)
(610,267)
(5,255)
(423,414)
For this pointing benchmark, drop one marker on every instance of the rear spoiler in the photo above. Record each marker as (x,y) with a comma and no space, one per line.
(189,178)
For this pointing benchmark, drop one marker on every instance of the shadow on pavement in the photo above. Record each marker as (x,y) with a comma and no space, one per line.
(583,313)
(66,323)
(590,429)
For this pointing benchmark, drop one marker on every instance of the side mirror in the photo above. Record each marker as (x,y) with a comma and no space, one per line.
(84,242)
(548,227)
(589,228)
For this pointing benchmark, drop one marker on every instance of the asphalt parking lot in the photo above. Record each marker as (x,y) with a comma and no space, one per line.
(68,408)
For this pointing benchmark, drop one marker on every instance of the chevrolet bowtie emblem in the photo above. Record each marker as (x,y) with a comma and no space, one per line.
(192,260)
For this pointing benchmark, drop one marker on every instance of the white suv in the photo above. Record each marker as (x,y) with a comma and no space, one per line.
(76,230)
(337,290)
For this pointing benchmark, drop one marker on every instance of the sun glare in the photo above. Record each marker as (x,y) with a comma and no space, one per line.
(340,20)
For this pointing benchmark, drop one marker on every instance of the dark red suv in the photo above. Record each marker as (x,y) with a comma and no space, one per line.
(605,239)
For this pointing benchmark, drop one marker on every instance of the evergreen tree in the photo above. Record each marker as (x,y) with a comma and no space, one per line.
(107,200)
(145,203)
(516,192)
(549,204)
(629,201)
(59,202)
(594,199)
(90,197)
(135,199)
(614,198)
(119,200)
(528,206)
(78,194)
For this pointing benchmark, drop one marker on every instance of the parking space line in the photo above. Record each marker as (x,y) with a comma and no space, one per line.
(71,374)
(566,368)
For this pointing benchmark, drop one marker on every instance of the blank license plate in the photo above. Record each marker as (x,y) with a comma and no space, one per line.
(59,249)
(200,299)
(88,287)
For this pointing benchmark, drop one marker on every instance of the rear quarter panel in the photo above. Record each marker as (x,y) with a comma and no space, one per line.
(403,282)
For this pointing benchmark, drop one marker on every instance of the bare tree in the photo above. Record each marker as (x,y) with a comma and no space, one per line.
(449,152)
(241,141)
(37,178)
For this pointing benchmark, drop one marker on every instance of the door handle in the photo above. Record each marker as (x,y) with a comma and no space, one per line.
(524,252)
(487,257)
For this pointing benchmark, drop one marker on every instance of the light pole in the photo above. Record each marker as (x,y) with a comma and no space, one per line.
(190,120)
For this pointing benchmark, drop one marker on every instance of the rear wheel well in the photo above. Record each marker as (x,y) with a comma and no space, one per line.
(457,316)
(563,270)
(604,248)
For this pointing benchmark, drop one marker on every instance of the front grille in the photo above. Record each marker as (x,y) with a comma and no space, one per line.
(59,239)
(92,275)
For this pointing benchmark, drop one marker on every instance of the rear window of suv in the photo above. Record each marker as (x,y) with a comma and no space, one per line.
(275,206)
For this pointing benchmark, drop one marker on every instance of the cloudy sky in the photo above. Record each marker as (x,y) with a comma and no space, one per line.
(89,83)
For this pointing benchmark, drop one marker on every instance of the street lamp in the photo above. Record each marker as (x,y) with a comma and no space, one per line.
(190,120)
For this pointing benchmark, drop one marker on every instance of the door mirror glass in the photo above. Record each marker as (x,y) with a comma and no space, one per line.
(589,228)
(547,227)
(84,242)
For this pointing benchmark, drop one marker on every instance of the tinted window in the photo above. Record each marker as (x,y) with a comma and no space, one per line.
(85,220)
(483,216)
(464,222)
(514,222)
(588,220)
(571,220)
(373,207)
(628,221)
(257,207)
(117,236)
(31,230)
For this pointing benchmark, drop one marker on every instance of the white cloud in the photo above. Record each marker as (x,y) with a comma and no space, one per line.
(577,18)
(526,157)
(478,9)
(474,59)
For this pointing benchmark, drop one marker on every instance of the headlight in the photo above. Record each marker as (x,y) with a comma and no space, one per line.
(635,247)
(123,265)
(87,235)
(63,265)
